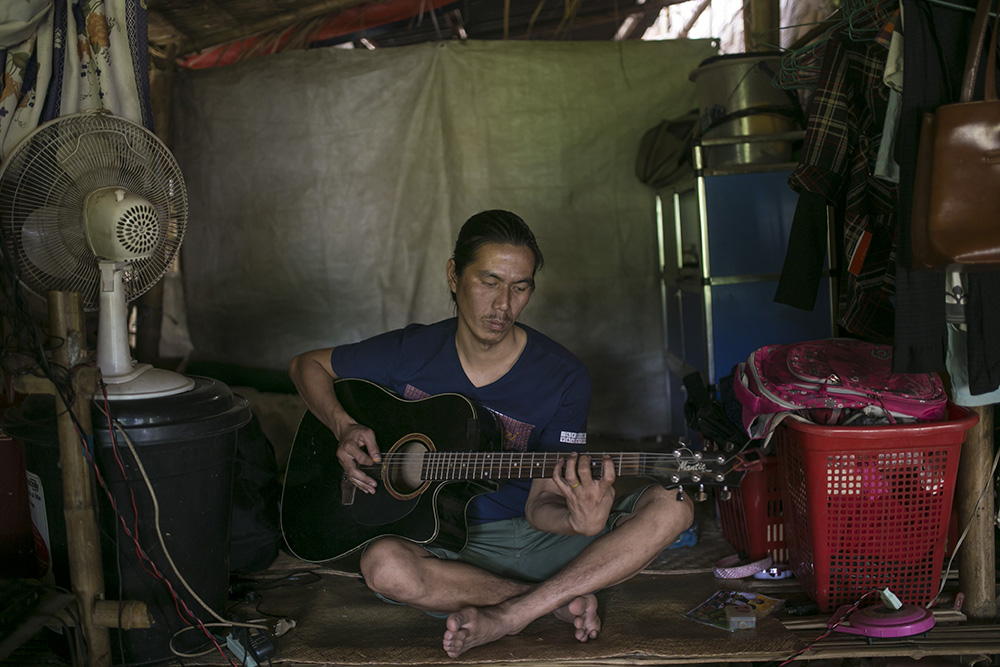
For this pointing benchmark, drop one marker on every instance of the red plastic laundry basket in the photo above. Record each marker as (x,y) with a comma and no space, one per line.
(869,507)
(751,518)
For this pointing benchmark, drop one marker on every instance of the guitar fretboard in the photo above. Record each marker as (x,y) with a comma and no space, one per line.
(451,466)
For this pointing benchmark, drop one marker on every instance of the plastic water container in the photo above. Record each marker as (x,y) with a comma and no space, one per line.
(187,446)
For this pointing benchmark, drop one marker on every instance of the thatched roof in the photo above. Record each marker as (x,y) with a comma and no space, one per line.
(178,28)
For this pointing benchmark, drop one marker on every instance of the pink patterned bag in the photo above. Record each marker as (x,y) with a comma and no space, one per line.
(833,381)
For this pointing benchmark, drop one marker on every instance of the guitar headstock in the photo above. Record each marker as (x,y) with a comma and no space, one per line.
(685,467)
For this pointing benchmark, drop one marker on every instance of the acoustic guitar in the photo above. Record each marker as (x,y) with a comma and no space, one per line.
(438,453)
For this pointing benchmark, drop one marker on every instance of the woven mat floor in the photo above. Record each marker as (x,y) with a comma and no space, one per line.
(340,622)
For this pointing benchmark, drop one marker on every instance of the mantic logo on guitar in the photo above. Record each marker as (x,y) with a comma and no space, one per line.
(692,466)
(444,451)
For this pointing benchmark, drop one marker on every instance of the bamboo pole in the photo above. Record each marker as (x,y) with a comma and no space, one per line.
(699,10)
(976,558)
(760,17)
(128,615)
(82,536)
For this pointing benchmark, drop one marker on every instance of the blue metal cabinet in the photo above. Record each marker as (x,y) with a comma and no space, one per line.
(723,237)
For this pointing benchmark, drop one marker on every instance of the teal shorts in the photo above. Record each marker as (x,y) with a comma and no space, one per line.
(511,548)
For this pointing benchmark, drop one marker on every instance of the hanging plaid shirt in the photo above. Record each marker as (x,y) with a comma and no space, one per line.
(838,157)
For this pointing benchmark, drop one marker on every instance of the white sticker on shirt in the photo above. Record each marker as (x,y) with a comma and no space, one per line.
(573,438)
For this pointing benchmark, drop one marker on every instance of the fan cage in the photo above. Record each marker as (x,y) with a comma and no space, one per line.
(43,185)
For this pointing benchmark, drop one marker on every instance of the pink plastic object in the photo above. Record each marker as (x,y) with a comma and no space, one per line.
(880,621)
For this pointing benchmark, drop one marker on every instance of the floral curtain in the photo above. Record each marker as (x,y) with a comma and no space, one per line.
(64,56)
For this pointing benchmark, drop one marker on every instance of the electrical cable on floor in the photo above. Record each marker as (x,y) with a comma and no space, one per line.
(843,617)
(77,653)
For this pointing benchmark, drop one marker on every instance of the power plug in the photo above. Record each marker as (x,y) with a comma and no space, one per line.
(251,646)
(890,600)
(246,660)
(283,625)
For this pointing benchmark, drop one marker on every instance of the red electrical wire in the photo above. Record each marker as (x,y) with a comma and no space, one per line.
(843,617)
(191,619)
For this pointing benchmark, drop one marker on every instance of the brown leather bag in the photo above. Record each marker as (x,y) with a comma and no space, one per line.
(956,202)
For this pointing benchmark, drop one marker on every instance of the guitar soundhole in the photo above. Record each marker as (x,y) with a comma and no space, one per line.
(401,467)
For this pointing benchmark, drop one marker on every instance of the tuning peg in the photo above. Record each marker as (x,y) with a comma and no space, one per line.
(725,494)
(680,494)
(700,496)
(695,478)
(675,479)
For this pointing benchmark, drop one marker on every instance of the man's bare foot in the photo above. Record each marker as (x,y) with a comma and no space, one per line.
(582,613)
(474,627)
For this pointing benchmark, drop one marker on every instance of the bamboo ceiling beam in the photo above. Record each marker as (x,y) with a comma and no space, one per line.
(545,28)
(165,31)
(699,10)
(637,22)
(221,11)
(277,22)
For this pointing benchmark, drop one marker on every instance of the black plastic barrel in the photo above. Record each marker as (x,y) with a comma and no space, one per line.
(186,444)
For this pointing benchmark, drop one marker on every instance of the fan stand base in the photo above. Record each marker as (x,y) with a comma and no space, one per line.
(145,381)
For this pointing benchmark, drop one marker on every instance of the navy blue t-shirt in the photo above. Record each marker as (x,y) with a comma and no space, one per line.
(542,401)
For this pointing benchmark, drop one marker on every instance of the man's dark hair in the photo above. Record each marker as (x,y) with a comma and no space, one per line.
(494,226)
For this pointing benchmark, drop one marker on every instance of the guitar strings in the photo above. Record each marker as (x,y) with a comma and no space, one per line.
(529,455)
(436,465)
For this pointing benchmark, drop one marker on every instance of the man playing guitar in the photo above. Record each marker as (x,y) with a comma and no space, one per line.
(536,546)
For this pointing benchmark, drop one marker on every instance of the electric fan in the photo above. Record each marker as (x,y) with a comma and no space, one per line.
(96,204)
